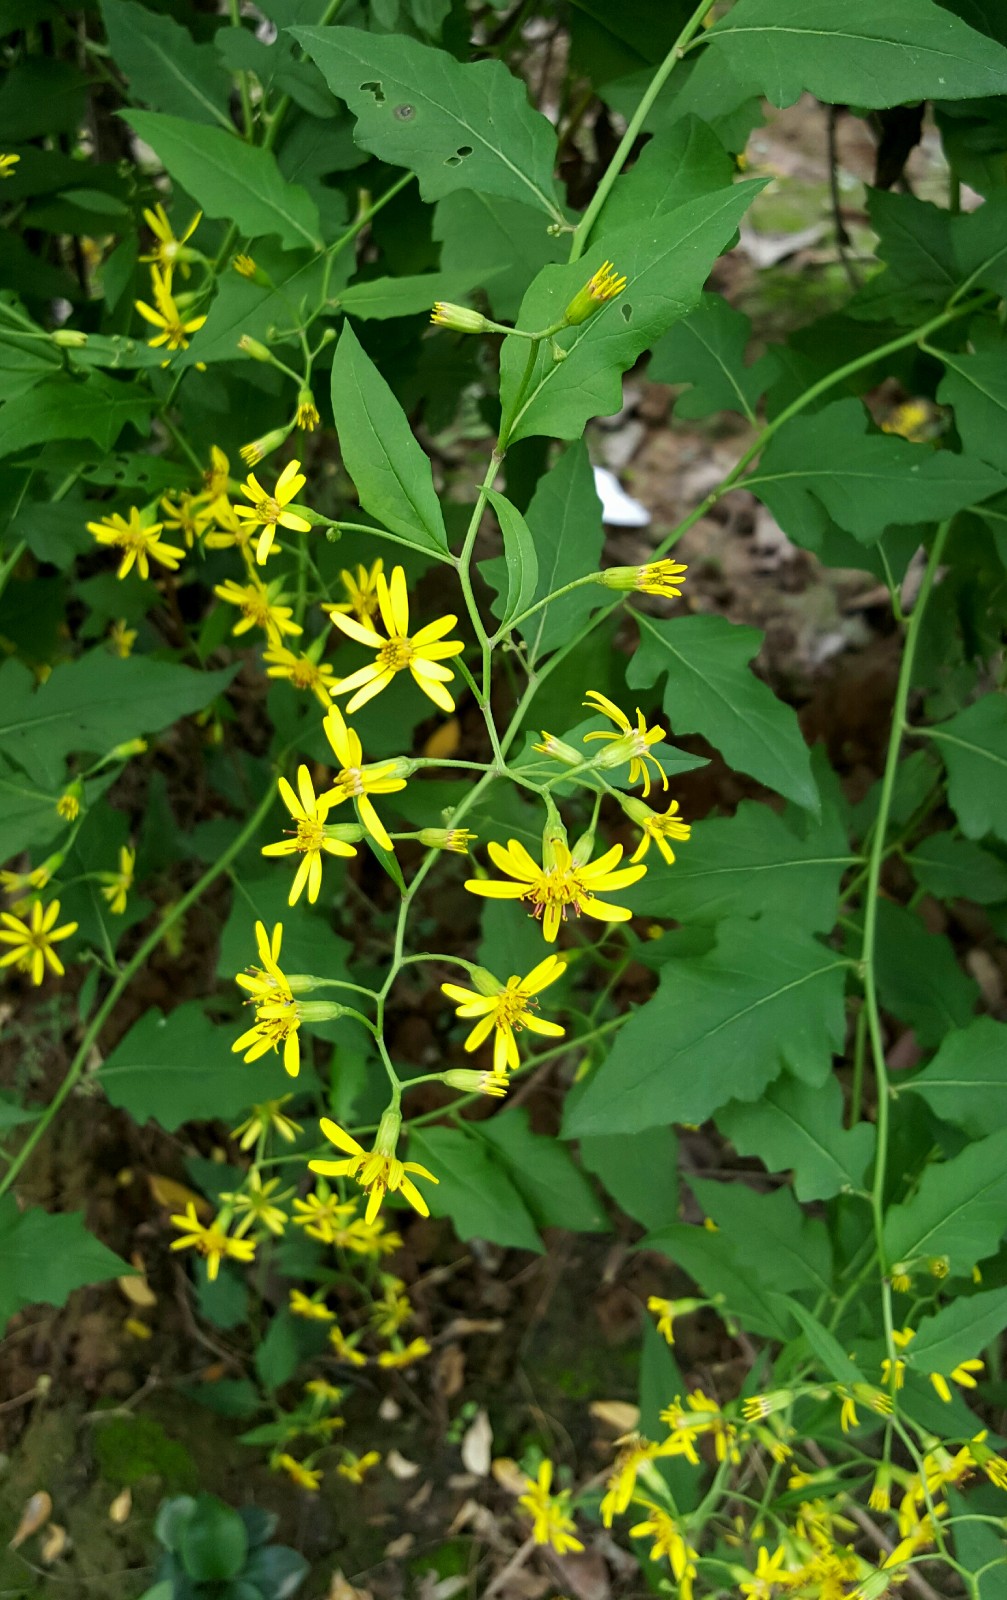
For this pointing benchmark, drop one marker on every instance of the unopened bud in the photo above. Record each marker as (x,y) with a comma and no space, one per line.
(320,1010)
(123,752)
(69,338)
(306,416)
(254,348)
(583,849)
(461,318)
(255,451)
(604,285)
(388,1131)
(348,832)
(469,1081)
(68,804)
(456,839)
(551,746)
(250,269)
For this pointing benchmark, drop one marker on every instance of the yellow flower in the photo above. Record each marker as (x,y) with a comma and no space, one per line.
(305,1477)
(654,577)
(354,1467)
(405,1358)
(245,265)
(994,1466)
(7,165)
(356,781)
(393,1310)
(321,1389)
(32,943)
(216,477)
(268,1115)
(455,839)
(344,1350)
(188,516)
(893,1373)
(700,1416)
(961,1374)
(322,1215)
(313,1310)
(169,251)
(770,1570)
(138,542)
(258,1203)
(16,883)
(669,1542)
(629,744)
(268,982)
(121,638)
(214,1242)
(635,1453)
(657,826)
(377,1171)
(881,1490)
(310,837)
(276,1022)
(116,885)
(560,882)
(269,511)
(302,672)
(261,606)
(421,652)
(667,1313)
(306,416)
(508,1007)
(604,285)
(363,592)
(229,533)
(166,316)
(68,804)
(460,318)
(552,1523)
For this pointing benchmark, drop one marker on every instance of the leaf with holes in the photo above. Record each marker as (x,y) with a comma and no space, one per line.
(958,1209)
(973,747)
(709,689)
(720,1027)
(858,52)
(666,261)
(457,126)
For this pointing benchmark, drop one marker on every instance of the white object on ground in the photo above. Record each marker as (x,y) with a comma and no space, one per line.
(618,508)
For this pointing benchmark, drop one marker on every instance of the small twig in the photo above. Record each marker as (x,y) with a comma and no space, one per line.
(516,1562)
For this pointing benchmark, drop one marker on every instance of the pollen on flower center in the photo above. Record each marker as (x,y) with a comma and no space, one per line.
(310,834)
(512,1005)
(557,887)
(269,509)
(349,784)
(396,654)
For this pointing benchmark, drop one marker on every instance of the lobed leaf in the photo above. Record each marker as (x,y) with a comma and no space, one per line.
(44,1256)
(798,1127)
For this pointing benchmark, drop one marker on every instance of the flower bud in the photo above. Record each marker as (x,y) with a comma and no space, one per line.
(254,452)
(69,338)
(307,412)
(68,804)
(603,286)
(456,839)
(583,849)
(250,269)
(551,746)
(653,577)
(471,1082)
(348,832)
(254,348)
(320,1010)
(460,318)
(938,1266)
(388,1131)
(123,752)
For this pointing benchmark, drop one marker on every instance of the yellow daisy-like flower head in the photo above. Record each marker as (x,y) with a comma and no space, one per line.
(265,1118)
(422,653)
(189,516)
(121,638)
(413,1352)
(32,942)
(559,884)
(314,1310)
(669,1542)
(116,885)
(356,781)
(261,606)
(508,1009)
(302,672)
(628,744)
(216,477)
(270,511)
(139,542)
(377,1171)
(306,416)
(657,827)
(552,1523)
(354,1468)
(7,165)
(277,1022)
(305,1477)
(165,315)
(310,837)
(213,1241)
(362,589)
(602,286)
(964,1374)
(244,265)
(169,251)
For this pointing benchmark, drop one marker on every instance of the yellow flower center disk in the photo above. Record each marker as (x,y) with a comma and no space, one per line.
(304,675)
(309,834)
(396,654)
(512,1005)
(269,509)
(279,1027)
(559,888)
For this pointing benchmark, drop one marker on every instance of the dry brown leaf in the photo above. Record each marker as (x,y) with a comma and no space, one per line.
(399,1467)
(121,1506)
(137,1291)
(616,1414)
(36,1513)
(451,1371)
(395,1549)
(509,1475)
(175,1196)
(53,1545)
(444,741)
(341,1589)
(477,1445)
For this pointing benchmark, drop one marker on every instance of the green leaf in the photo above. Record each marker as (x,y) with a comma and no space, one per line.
(520,556)
(951,869)
(794,1249)
(565,522)
(377,299)
(456,126)
(916,247)
(798,1127)
(747,865)
(231,179)
(966,1082)
(501,243)
(857,52)
(827,464)
(720,1027)
(179,1068)
(660,1381)
(709,689)
(976,386)
(973,747)
(958,1332)
(43,1256)
(474,1190)
(666,260)
(240,306)
(919,979)
(93,704)
(390,471)
(163,64)
(683,163)
(639,1170)
(214,1541)
(823,1344)
(724,1272)
(66,408)
(544,1173)
(707,351)
(289,1340)
(958,1209)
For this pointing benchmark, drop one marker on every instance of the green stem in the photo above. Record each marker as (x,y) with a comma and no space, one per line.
(247,119)
(871,900)
(583,230)
(133,966)
(11,561)
(284,103)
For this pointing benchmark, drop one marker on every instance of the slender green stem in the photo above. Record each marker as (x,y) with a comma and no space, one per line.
(147,948)
(582,233)
(10,562)
(247,118)
(362,527)
(284,103)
